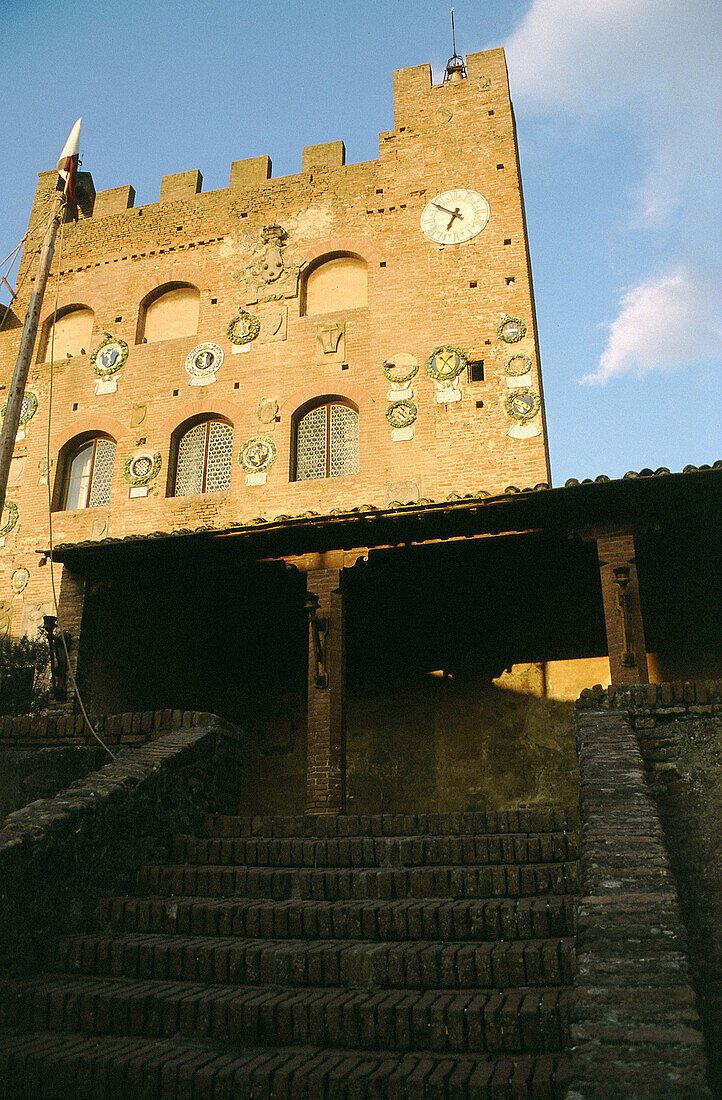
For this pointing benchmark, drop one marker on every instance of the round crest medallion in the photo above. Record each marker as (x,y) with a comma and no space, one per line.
(243,328)
(19,580)
(109,356)
(511,330)
(204,360)
(142,467)
(400,414)
(28,407)
(446,363)
(518,365)
(401,368)
(522,405)
(258,454)
(11,512)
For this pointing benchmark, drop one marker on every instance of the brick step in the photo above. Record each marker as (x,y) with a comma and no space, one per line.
(443,919)
(442,1021)
(491,880)
(419,964)
(407,851)
(364,825)
(49,1066)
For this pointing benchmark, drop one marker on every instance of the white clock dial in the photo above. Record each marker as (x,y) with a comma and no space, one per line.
(455,216)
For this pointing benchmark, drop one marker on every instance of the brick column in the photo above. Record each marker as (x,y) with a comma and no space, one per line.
(326,749)
(71,604)
(625,630)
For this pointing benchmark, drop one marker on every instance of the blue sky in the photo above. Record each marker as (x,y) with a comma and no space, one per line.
(619,112)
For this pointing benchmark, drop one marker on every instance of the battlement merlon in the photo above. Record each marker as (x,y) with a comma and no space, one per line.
(415,100)
(414,92)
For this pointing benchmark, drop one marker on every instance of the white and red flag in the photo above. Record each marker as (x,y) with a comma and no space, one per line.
(68,169)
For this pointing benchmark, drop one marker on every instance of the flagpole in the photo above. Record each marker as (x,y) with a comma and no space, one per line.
(63,197)
(11,420)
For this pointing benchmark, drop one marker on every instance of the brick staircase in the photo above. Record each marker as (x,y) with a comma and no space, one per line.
(317,958)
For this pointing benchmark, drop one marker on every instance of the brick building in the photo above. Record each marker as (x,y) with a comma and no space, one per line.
(298,477)
(294,426)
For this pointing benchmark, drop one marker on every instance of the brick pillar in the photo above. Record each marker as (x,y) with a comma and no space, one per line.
(627,663)
(71,604)
(326,749)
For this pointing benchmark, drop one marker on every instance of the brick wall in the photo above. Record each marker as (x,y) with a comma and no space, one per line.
(420,295)
(107,824)
(678,728)
(635,1027)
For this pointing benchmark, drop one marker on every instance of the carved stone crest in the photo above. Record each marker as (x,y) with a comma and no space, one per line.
(274,272)
(332,339)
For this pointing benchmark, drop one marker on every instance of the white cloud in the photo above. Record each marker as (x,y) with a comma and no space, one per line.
(652,64)
(648,68)
(665,322)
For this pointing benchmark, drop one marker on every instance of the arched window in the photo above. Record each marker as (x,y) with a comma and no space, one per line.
(326,440)
(334,283)
(70,335)
(169,312)
(203,458)
(87,474)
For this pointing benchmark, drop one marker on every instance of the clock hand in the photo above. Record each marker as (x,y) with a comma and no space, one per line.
(454,213)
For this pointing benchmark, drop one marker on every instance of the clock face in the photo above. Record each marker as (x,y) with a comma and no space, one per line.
(454,216)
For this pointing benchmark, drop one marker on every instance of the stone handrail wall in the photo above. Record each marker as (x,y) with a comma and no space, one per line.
(661,700)
(635,1027)
(132,728)
(679,731)
(58,856)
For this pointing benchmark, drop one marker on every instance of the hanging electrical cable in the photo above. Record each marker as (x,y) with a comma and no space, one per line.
(61,632)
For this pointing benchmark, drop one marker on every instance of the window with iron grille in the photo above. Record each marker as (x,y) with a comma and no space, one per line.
(89,474)
(327,443)
(203,462)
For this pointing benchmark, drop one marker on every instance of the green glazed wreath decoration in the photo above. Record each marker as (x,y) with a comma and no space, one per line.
(257,454)
(251,326)
(525,365)
(28,408)
(12,518)
(109,356)
(399,379)
(446,363)
(511,330)
(141,469)
(400,414)
(522,405)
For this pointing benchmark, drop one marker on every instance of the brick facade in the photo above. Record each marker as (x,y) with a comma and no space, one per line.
(420,295)
(622,610)
(325,759)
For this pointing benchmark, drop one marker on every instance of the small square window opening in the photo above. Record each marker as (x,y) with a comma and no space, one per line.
(476,370)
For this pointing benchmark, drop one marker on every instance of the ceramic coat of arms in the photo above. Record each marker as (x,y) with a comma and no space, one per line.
(28,409)
(106,362)
(202,364)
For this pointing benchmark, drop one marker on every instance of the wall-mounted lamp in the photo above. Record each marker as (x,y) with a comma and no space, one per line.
(319,630)
(58,659)
(622,579)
